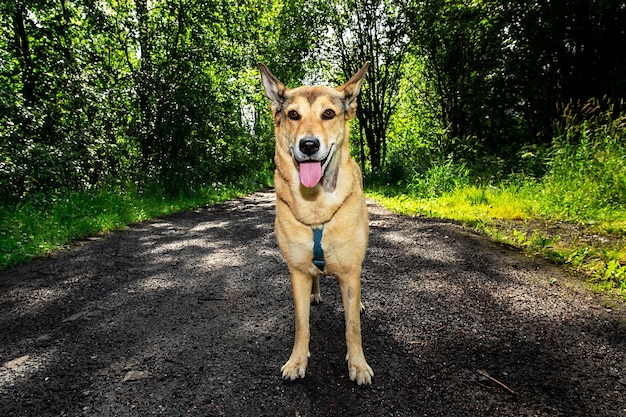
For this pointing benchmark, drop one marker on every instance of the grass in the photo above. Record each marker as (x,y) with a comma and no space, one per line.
(520,217)
(464,203)
(574,214)
(45,223)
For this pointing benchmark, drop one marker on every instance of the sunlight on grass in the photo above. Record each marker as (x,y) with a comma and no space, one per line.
(516,215)
(36,227)
(466,204)
(573,213)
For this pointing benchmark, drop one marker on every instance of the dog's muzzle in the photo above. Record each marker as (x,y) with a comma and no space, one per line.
(306,155)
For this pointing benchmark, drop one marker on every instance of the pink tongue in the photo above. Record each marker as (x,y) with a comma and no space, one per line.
(310,173)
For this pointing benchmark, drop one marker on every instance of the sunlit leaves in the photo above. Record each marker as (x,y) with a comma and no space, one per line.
(117,92)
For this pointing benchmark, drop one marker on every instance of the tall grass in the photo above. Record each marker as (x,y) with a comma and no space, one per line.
(584,185)
(586,178)
(439,179)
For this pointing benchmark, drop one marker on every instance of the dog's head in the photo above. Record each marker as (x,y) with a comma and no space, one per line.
(311,122)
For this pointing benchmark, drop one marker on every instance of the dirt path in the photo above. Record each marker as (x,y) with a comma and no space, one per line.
(192,315)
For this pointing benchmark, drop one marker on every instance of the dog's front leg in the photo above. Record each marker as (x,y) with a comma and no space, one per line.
(316,296)
(358,368)
(301,285)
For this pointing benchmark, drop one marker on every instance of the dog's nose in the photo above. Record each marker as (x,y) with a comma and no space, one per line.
(309,145)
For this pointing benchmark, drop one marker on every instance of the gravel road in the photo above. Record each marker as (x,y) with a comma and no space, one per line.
(191,314)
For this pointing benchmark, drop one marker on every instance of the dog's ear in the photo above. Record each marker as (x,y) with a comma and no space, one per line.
(274,89)
(351,90)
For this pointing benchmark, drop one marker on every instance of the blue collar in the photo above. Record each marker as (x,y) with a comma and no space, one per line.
(318,252)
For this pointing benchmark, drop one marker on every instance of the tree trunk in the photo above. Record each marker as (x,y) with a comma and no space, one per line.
(22,50)
(361,149)
(144,77)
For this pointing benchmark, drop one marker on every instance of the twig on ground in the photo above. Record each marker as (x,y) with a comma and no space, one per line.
(486,375)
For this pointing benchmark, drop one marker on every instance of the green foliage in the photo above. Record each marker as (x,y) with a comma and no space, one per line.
(439,179)
(611,274)
(492,72)
(587,163)
(111,93)
(416,137)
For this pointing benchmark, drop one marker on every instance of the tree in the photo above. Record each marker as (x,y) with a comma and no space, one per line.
(357,31)
(55,135)
(138,93)
(499,69)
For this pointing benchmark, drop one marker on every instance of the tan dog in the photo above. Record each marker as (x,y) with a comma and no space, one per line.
(320,208)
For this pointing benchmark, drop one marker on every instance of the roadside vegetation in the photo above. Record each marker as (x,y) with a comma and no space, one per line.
(574,213)
(50,222)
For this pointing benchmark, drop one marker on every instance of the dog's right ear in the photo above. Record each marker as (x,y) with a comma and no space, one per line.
(274,89)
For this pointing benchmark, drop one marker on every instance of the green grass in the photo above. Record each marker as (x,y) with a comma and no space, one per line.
(575,214)
(522,217)
(46,223)
(464,203)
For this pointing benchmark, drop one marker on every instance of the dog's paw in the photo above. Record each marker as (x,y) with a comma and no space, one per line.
(316,298)
(360,372)
(294,369)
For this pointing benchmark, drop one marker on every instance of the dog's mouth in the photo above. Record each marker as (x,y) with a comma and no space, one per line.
(312,171)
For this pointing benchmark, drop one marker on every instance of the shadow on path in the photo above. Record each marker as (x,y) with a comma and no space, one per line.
(192,314)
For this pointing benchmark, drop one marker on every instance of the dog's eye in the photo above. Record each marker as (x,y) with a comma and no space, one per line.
(328,114)
(293,115)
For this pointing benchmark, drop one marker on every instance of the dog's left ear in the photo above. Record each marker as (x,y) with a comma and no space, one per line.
(274,89)
(351,90)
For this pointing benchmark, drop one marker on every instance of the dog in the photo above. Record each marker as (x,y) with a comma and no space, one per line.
(321,217)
